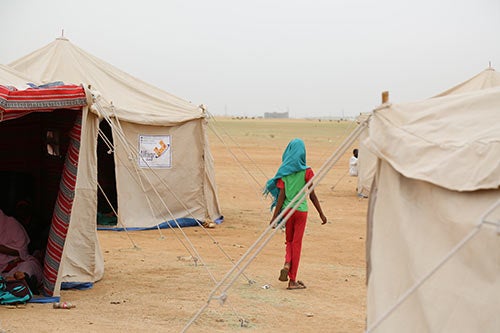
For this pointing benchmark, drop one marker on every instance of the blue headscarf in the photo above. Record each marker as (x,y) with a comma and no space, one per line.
(293,160)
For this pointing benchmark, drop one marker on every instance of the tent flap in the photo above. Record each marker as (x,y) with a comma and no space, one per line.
(451,141)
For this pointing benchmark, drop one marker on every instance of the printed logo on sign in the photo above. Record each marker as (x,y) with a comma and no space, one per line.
(147,156)
(162,149)
(155,151)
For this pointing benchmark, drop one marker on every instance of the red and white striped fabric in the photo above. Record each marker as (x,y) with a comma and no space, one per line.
(17,103)
(62,211)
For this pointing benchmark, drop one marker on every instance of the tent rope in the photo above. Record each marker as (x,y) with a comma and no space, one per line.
(119,133)
(137,179)
(121,136)
(275,225)
(198,256)
(339,180)
(339,136)
(132,153)
(259,184)
(239,147)
(440,264)
(186,208)
(116,214)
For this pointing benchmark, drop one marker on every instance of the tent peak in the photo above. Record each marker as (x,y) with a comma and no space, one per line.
(62,36)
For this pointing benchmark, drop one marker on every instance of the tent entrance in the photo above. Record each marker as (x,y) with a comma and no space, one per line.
(107,203)
(31,170)
(33,150)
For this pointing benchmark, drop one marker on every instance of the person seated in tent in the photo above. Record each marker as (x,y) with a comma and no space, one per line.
(14,254)
(353,163)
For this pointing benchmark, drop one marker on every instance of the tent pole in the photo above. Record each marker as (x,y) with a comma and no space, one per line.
(385,97)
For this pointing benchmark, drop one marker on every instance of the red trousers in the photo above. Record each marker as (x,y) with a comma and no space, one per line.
(295,227)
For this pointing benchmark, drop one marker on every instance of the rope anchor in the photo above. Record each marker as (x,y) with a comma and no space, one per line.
(243,322)
(222,298)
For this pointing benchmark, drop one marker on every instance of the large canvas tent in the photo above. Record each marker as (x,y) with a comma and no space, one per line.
(433,260)
(42,134)
(150,189)
(367,161)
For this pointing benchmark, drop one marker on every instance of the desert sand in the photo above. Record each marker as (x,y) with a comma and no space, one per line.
(152,284)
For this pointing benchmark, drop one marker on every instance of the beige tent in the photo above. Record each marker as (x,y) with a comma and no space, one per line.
(433,245)
(488,78)
(59,182)
(367,161)
(11,77)
(162,162)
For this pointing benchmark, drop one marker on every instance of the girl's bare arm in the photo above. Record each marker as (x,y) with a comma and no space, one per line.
(317,205)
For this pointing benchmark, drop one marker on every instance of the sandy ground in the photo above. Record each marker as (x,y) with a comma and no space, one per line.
(151,283)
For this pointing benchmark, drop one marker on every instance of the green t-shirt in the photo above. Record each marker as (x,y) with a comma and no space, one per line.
(293,184)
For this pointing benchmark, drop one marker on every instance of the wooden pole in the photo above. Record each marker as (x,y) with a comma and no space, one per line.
(385,97)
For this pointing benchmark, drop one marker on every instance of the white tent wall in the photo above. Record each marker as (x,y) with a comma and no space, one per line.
(210,187)
(414,226)
(438,172)
(142,201)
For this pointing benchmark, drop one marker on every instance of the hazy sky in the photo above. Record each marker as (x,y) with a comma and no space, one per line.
(310,57)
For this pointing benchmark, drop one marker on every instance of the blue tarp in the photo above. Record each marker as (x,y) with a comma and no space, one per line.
(182,222)
(77,285)
(43,299)
(64,286)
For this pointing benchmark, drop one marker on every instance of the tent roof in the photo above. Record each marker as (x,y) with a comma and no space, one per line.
(132,99)
(488,78)
(11,77)
(451,141)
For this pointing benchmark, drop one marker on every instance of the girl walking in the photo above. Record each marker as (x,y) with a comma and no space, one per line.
(290,178)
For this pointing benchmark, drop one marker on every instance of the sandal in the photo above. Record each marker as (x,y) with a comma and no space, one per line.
(283,274)
(297,285)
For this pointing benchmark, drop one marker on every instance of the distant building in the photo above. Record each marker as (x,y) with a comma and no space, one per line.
(275,115)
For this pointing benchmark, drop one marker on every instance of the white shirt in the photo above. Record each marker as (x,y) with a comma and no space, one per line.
(353,166)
